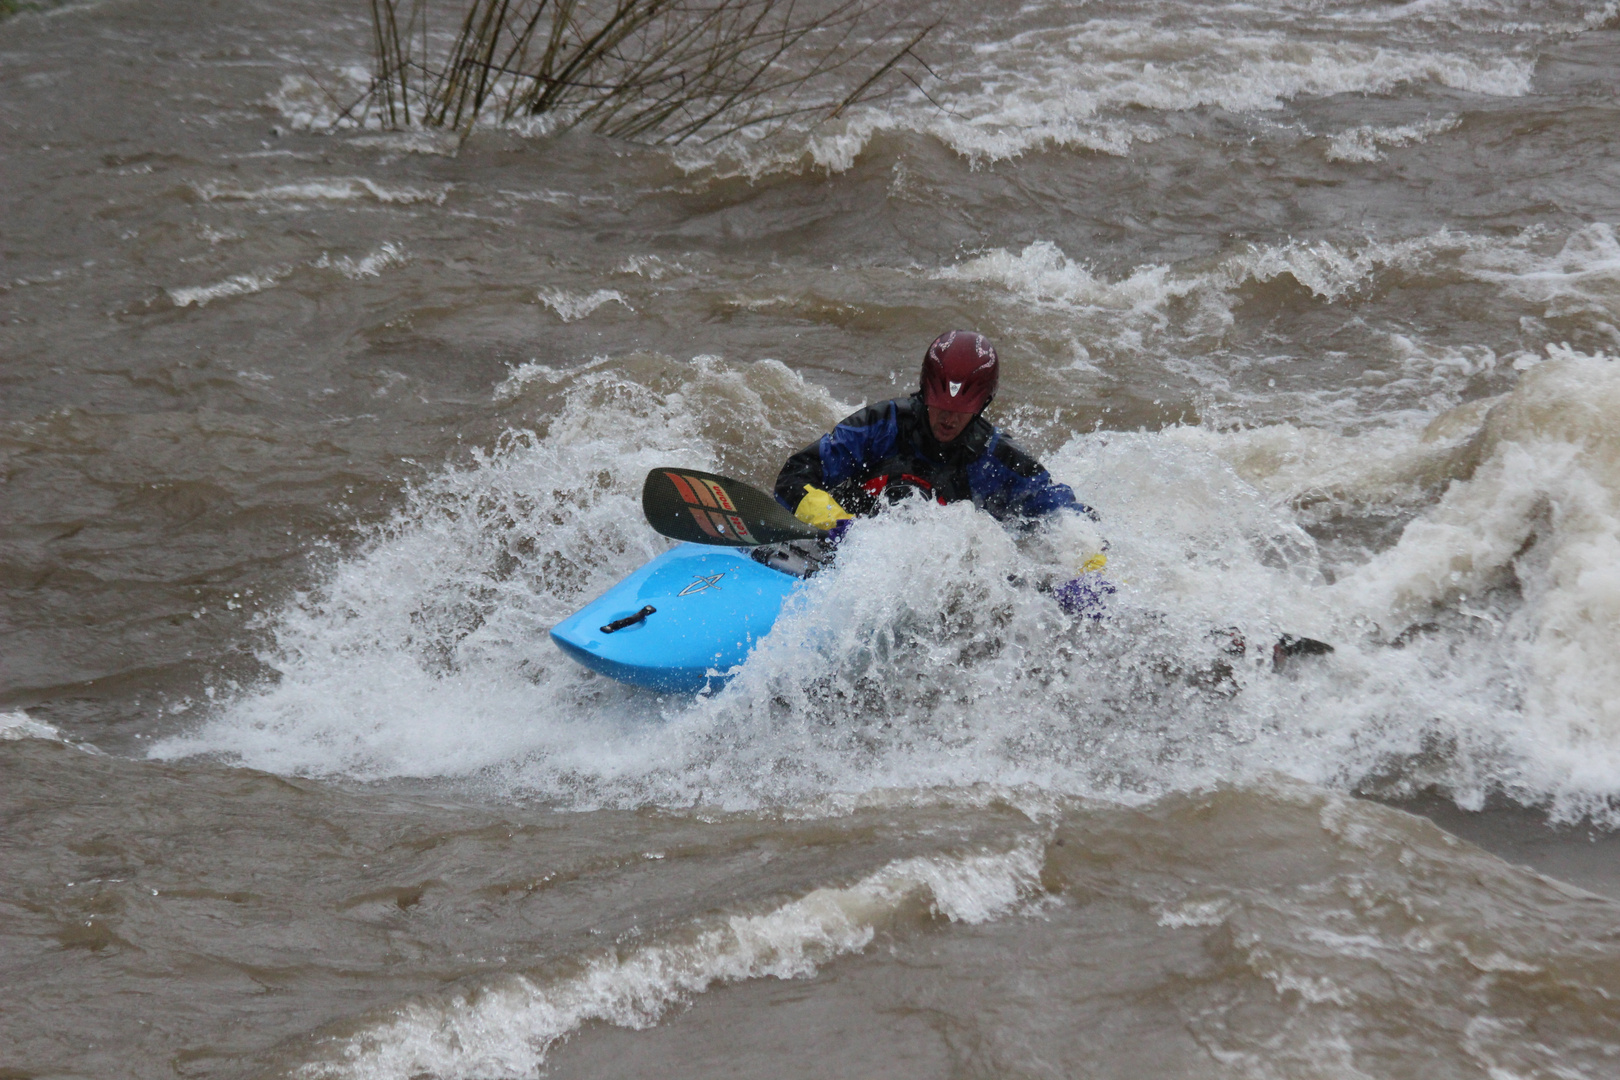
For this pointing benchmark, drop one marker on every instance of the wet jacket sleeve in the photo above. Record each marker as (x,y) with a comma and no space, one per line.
(1010,484)
(859,441)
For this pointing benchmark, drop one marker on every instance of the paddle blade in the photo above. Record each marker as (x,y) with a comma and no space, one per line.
(702,508)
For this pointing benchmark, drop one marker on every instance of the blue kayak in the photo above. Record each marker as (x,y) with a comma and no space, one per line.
(682,622)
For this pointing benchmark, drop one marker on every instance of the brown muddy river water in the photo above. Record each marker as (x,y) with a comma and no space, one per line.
(309,435)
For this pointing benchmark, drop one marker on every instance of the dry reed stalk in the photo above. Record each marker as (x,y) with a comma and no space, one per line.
(659,71)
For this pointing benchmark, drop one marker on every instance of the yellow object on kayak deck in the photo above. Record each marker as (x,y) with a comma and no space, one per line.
(820,509)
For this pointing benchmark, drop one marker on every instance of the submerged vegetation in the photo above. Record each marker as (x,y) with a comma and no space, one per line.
(658,71)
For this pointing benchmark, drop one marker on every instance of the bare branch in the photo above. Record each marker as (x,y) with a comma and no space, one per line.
(855,95)
(662,71)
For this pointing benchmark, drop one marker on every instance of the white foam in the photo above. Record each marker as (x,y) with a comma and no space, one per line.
(386,257)
(310,105)
(1043,274)
(571,306)
(235,285)
(1542,509)
(1114,66)
(1580,280)
(1082,80)
(507,1028)
(1163,313)
(436,143)
(923,662)
(446,612)
(1540,516)
(332,189)
(19,725)
(1362,143)
(1159,308)
(1195,913)
(650,267)
(418,659)
(1103,83)
(525,373)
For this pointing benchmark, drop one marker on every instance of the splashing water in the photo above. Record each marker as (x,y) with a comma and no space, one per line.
(1471,655)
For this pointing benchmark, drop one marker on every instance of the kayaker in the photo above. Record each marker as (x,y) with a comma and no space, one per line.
(936,442)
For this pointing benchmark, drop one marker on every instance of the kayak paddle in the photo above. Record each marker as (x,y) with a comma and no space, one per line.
(702,508)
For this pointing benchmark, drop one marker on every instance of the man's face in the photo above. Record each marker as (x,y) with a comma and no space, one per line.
(947,425)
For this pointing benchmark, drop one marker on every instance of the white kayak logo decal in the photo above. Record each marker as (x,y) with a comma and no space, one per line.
(700,583)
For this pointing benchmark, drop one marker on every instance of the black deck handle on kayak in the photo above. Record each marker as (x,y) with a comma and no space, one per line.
(629,620)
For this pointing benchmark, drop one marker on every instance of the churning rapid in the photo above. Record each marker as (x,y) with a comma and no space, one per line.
(311,430)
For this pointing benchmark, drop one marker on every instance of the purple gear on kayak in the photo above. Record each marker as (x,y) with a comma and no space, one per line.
(1085,596)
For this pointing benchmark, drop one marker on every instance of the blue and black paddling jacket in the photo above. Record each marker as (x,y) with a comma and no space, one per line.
(888,447)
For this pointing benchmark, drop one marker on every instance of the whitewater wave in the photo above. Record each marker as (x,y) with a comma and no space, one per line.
(1472,655)
(571,306)
(1103,84)
(1539,516)
(1520,547)
(18,725)
(1057,76)
(235,285)
(386,257)
(1183,318)
(334,189)
(1363,143)
(1581,277)
(507,1028)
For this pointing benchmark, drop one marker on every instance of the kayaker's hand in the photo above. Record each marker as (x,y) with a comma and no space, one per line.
(820,509)
(836,533)
(1085,596)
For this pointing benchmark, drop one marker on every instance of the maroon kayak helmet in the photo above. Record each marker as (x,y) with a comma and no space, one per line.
(960,372)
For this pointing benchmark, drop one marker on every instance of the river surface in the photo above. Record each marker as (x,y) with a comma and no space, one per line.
(309,433)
